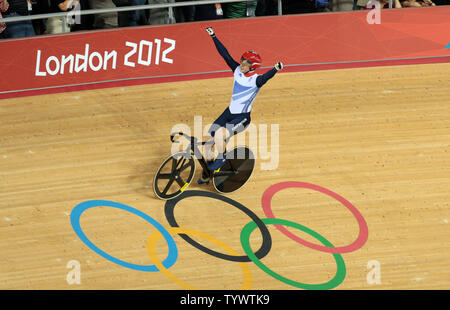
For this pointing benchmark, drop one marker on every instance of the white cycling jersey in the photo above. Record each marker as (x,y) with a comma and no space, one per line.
(244,92)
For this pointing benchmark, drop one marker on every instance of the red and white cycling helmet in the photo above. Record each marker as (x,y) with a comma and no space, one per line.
(253,58)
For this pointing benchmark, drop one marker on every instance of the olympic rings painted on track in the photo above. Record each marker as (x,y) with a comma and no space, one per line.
(245,240)
(245,236)
(267,239)
(151,249)
(363,229)
(75,220)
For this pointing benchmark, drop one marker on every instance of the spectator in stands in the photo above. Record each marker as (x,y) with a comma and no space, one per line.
(4,5)
(58,24)
(131,18)
(40,7)
(298,6)
(185,13)
(364,4)
(106,20)
(18,29)
(341,5)
(266,8)
(417,3)
(161,16)
(356,7)
(240,9)
(208,12)
(395,4)
(325,6)
(80,22)
(86,22)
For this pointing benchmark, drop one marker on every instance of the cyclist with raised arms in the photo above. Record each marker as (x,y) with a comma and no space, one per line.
(236,116)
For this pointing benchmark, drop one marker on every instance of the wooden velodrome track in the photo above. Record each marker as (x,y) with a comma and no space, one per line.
(379,137)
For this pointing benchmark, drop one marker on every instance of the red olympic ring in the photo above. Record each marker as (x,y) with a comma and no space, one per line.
(363,229)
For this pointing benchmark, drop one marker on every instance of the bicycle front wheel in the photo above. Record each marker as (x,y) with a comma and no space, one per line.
(174,176)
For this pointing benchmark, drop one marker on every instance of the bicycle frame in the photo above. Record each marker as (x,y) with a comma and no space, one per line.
(193,150)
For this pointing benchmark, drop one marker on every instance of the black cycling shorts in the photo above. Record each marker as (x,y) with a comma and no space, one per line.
(234,123)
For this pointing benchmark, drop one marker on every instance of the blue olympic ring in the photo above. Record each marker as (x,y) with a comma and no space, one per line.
(75,220)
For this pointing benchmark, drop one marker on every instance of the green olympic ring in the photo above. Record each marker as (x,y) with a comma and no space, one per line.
(245,241)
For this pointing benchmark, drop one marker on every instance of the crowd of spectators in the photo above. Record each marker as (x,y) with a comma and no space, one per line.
(157,16)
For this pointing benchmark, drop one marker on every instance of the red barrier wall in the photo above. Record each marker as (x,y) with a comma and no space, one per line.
(128,56)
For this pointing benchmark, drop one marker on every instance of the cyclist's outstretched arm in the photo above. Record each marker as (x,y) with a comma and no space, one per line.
(222,50)
(263,78)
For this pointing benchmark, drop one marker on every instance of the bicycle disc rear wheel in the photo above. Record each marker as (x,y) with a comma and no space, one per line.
(174,176)
(236,171)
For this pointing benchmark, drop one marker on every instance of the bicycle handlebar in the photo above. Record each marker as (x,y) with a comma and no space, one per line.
(174,134)
(194,141)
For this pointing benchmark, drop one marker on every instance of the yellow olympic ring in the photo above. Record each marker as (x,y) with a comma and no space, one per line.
(151,249)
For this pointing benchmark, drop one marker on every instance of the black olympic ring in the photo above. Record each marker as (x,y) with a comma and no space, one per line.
(267,239)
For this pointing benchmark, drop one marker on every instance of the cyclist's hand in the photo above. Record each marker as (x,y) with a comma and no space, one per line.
(279,66)
(210,31)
